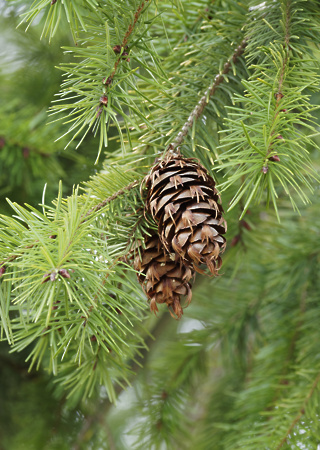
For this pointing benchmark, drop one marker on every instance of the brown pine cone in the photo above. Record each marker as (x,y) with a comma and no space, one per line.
(184,202)
(163,280)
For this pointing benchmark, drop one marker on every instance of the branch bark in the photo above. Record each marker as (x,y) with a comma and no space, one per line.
(204,100)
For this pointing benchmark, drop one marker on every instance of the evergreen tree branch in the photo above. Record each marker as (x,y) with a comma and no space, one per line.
(59,14)
(94,209)
(122,51)
(195,114)
(103,80)
(287,47)
(259,323)
(77,229)
(91,309)
(155,99)
(90,330)
(269,151)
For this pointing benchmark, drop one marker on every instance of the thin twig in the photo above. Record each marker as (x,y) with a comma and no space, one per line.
(112,197)
(279,93)
(202,103)
(127,36)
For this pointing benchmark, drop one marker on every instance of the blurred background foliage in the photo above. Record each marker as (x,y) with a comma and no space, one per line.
(29,155)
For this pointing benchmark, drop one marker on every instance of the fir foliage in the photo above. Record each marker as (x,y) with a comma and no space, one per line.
(241,370)
(269,149)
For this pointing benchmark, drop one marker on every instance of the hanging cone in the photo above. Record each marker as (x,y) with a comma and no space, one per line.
(184,202)
(163,280)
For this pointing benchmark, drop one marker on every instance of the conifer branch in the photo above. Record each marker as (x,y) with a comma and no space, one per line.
(195,114)
(95,209)
(257,141)
(287,46)
(301,412)
(198,109)
(88,325)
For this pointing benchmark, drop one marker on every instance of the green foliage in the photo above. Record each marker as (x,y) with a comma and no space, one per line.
(250,371)
(30,414)
(74,12)
(147,91)
(30,155)
(96,90)
(241,370)
(268,144)
(69,293)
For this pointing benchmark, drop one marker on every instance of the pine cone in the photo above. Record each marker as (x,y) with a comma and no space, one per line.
(184,202)
(163,280)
